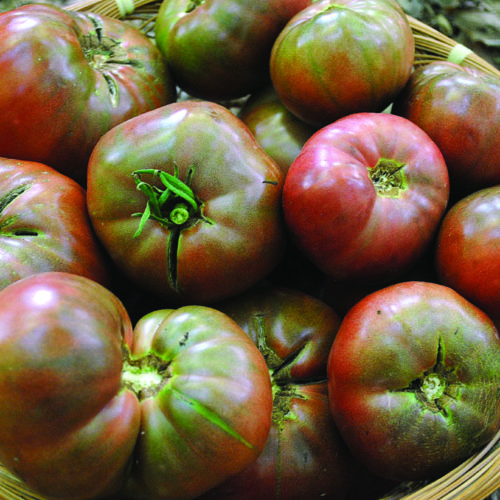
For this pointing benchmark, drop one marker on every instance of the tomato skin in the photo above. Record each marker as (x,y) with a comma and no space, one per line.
(90,407)
(59,93)
(468,249)
(336,58)
(350,225)
(218,383)
(44,225)
(280,133)
(469,138)
(220,49)
(304,456)
(392,347)
(67,429)
(239,236)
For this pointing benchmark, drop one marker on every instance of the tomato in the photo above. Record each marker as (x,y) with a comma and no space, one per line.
(67,78)
(220,49)
(469,137)
(211,417)
(305,456)
(468,249)
(280,133)
(365,196)
(339,57)
(186,202)
(44,225)
(90,407)
(414,380)
(66,429)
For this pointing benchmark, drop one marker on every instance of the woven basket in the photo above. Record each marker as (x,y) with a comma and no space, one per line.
(479,476)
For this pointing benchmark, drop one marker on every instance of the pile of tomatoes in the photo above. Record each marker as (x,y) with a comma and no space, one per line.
(254,257)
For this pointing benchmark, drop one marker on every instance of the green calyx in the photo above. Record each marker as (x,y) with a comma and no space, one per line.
(437,387)
(388,177)
(172,204)
(146,376)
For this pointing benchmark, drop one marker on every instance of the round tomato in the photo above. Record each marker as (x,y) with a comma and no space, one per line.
(44,225)
(67,78)
(280,133)
(414,380)
(469,136)
(468,249)
(338,57)
(364,198)
(90,407)
(187,203)
(305,456)
(220,49)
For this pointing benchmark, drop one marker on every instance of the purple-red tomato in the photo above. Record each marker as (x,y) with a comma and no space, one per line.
(68,77)
(220,49)
(459,108)
(338,57)
(305,456)
(187,203)
(364,198)
(280,133)
(44,225)
(414,380)
(90,407)
(468,249)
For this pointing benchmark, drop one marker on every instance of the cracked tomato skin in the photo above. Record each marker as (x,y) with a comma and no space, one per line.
(44,225)
(414,380)
(234,237)
(305,456)
(365,196)
(67,78)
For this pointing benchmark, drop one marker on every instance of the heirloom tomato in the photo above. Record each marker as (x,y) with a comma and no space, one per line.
(90,407)
(338,57)
(414,380)
(459,108)
(44,225)
(364,198)
(220,49)
(468,249)
(280,133)
(67,78)
(187,203)
(305,456)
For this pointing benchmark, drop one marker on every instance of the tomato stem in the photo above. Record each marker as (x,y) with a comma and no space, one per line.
(173,204)
(388,177)
(145,376)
